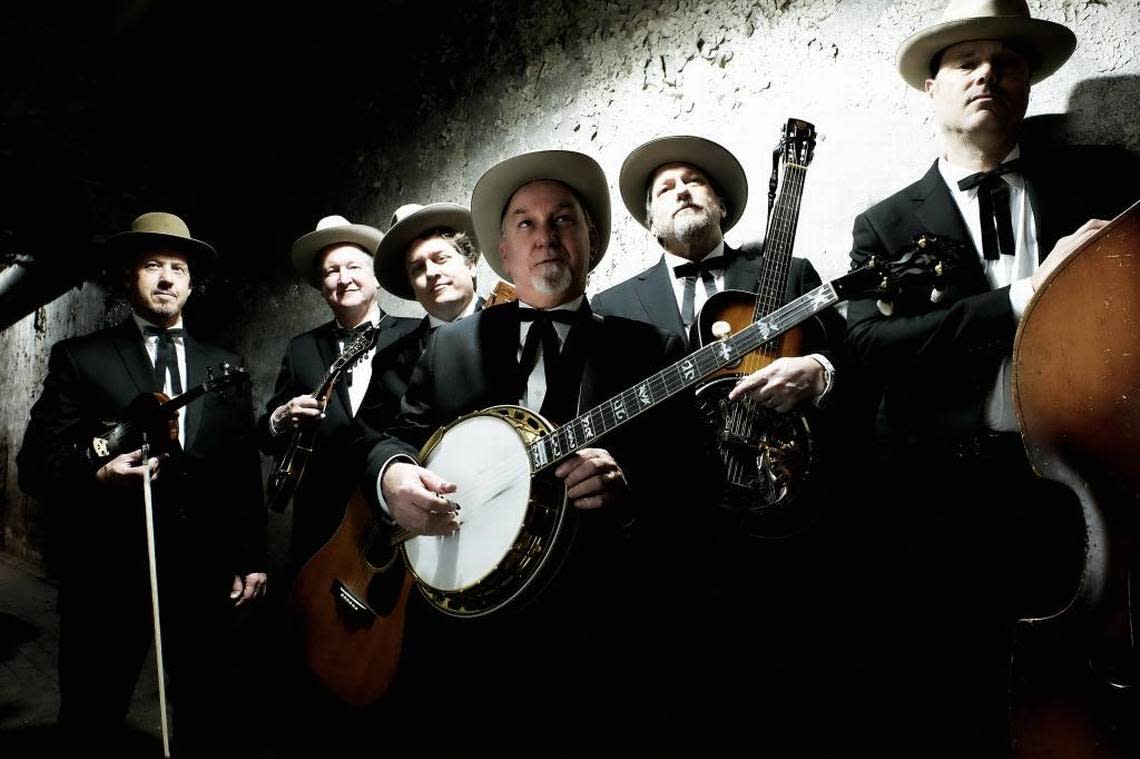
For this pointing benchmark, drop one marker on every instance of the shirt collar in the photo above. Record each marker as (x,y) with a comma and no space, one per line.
(952,174)
(373,316)
(436,323)
(673,261)
(570,305)
(141,323)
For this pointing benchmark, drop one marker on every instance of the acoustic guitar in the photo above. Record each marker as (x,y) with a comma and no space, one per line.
(351,596)
(767,456)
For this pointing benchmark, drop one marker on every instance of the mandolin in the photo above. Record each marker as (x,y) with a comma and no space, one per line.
(287,475)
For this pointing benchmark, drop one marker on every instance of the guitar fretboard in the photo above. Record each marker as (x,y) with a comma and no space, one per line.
(781,236)
(653,390)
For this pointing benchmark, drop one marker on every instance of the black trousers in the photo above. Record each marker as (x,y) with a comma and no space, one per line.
(106,631)
(963,540)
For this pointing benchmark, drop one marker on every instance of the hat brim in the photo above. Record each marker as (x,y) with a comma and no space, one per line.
(575,170)
(391,255)
(199,253)
(1050,42)
(308,246)
(714,160)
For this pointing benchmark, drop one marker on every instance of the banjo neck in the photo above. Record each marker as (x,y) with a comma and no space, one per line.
(660,387)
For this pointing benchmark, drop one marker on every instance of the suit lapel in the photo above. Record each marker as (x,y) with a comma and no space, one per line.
(939,214)
(743,272)
(129,346)
(655,291)
(1043,215)
(590,344)
(195,375)
(328,349)
(387,336)
(498,349)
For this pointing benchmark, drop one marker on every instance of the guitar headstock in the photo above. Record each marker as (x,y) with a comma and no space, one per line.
(504,292)
(356,348)
(227,375)
(798,142)
(930,263)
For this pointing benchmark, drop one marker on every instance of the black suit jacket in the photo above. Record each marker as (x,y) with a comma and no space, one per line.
(648,297)
(318,503)
(936,362)
(208,500)
(599,620)
(472,364)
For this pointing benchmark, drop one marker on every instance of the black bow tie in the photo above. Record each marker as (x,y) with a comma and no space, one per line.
(988,178)
(562,315)
(993,209)
(162,334)
(693,268)
(347,335)
(165,358)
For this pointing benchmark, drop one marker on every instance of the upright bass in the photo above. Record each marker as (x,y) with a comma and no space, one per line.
(1076,390)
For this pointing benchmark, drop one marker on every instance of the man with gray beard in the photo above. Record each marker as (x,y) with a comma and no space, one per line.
(688,192)
(596,637)
(760,596)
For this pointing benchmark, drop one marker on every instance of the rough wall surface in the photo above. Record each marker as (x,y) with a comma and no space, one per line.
(443,94)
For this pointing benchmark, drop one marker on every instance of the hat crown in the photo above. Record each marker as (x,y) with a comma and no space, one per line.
(162,223)
(957,10)
(404,212)
(330,222)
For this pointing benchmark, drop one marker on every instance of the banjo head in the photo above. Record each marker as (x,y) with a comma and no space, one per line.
(486,458)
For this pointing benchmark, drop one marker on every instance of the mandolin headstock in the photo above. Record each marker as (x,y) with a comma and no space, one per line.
(930,264)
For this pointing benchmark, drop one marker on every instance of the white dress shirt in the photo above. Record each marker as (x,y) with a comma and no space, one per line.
(362,369)
(150,342)
(673,261)
(1014,271)
(536,382)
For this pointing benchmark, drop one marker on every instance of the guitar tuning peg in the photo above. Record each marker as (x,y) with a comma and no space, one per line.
(886,307)
(936,295)
(226,369)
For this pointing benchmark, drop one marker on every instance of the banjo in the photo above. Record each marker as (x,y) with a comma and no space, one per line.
(515,527)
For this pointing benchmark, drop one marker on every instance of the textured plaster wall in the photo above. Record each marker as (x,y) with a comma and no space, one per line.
(460,89)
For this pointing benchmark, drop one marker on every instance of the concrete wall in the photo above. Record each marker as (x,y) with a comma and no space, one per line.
(416,102)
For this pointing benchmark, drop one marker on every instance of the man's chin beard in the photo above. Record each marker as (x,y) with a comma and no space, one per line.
(688,229)
(552,280)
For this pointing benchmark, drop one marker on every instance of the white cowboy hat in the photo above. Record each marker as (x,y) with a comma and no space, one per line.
(714,160)
(331,230)
(965,20)
(577,171)
(158,230)
(409,223)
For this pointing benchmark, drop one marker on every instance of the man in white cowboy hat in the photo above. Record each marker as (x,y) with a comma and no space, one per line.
(688,192)
(543,222)
(337,260)
(958,474)
(98,505)
(427,255)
